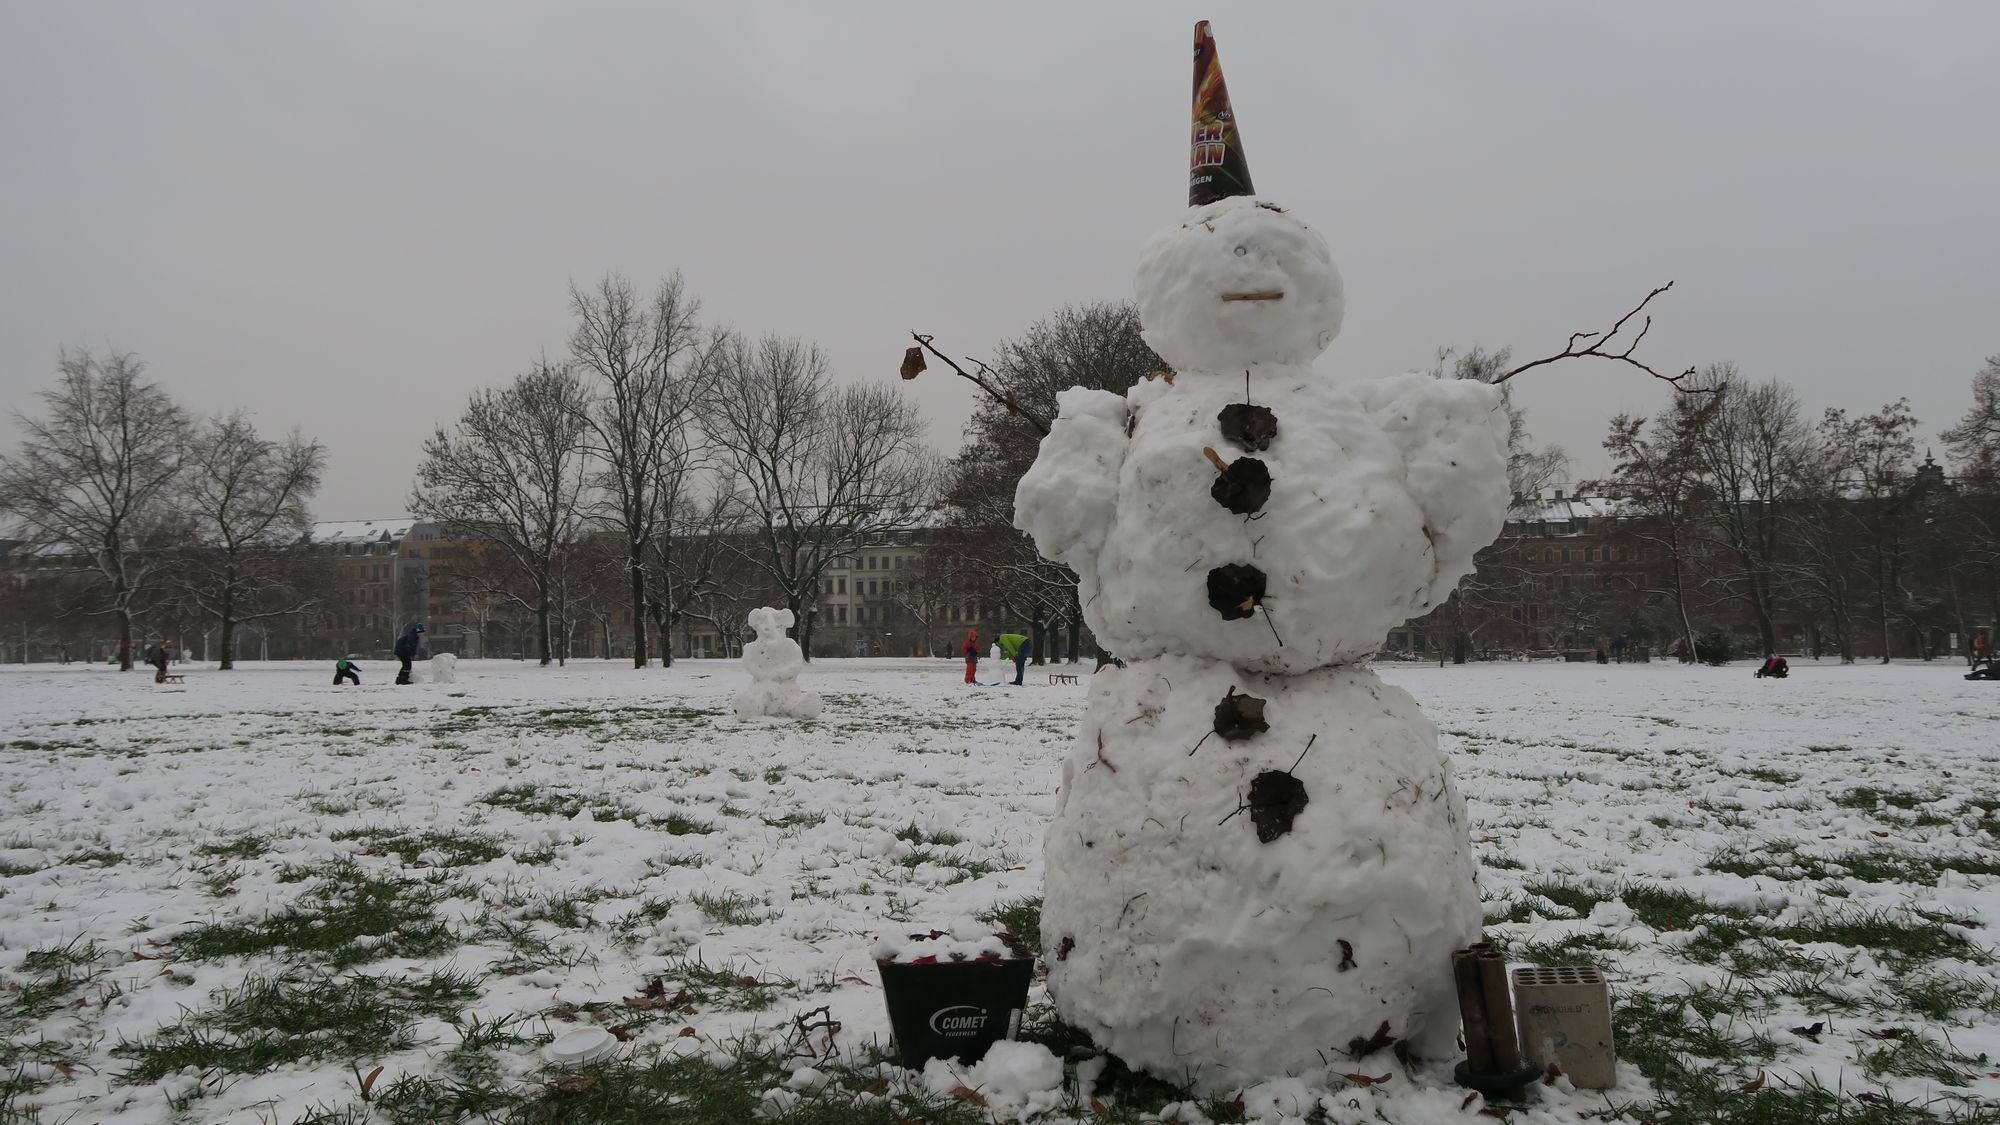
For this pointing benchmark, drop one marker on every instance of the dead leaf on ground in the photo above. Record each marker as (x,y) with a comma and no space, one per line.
(622,1034)
(368,1083)
(1367,1079)
(575,1083)
(1812,1032)
(689,1033)
(1754,1084)
(968,1095)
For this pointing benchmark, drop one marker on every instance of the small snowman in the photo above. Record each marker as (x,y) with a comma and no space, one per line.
(774,663)
(1258,861)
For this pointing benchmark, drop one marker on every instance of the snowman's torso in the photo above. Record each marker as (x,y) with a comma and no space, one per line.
(1367,522)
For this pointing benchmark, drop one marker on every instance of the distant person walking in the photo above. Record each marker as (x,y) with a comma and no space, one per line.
(1978,648)
(406,650)
(1017,648)
(1618,648)
(162,656)
(972,656)
(345,669)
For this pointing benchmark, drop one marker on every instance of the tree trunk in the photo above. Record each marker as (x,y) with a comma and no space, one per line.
(637,564)
(1075,635)
(663,619)
(228,616)
(542,630)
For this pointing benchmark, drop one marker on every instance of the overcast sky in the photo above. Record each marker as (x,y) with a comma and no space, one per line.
(349,215)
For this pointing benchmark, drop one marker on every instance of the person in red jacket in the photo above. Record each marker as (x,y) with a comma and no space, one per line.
(971,656)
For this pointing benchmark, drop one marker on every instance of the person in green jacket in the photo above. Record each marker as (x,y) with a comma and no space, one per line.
(345,669)
(1017,648)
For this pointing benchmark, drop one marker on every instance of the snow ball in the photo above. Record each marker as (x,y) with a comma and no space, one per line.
(1237,283)
(1012,1070)
(721,1060)
(777,1103)
(808,1079)
(1612,915)
(1278,1099)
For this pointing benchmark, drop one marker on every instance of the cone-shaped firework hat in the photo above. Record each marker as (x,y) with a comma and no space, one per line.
(1216,168)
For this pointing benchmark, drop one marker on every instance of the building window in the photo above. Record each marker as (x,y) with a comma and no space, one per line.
(1548,555)
(842,584)
(840,614)
(871,562)
(861,615)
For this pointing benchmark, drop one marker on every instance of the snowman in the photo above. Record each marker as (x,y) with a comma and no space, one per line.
(774,663)
(1258,863)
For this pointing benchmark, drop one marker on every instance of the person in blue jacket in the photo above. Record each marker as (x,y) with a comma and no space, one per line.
(406,650)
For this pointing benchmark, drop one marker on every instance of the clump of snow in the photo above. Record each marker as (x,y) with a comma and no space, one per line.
(1016,1079)
(966,940)
(774,663)
(444,668)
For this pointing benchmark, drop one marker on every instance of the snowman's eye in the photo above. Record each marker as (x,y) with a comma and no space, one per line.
(1242,250)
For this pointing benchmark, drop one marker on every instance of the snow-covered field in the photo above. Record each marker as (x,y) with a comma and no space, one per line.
(235,899)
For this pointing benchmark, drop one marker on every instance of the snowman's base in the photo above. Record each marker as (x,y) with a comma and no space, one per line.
(1221,910)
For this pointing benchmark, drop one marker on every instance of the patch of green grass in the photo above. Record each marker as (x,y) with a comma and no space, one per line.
(918,836)
(1021,916)
(270,1021)
(1576,898)
(729,908)
(1898,939)
(446,849)
(1917,1056)
(1668,908)
(1576,949)
(95,857)
(247,846)
(8,870)
(1941,997)
(534,801)
(677,825)
(568,909)
(349,917)
(1769,776)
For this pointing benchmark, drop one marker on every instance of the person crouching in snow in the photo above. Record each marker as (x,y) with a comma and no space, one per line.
(345,669)
(1017,648)
(1774,667)
(972,656)
(406,650)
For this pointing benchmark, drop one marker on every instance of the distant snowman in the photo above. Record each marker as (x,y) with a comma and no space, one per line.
(1258,861)
(444,668)
(774,663)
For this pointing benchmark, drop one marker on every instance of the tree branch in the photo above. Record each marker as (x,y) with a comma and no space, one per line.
(1598,345)
(1005,398)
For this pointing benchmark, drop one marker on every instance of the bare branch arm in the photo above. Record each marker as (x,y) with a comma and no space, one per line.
(1597,344)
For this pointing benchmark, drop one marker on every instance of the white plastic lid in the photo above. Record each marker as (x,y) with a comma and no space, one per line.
(583,1045)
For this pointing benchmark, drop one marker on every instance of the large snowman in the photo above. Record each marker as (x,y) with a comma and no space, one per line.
(1258,864)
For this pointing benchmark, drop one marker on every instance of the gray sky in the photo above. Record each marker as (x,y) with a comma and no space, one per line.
(350,215)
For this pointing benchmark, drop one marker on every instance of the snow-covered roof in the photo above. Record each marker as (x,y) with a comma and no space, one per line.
(362,531)
(1563,509)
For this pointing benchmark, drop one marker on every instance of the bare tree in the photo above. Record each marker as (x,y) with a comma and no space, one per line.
(515,470)
(246,497)
(1974,443)
(645,359)
(1749,453)
(822,469)
(96,475)
(1819,529)
(1655,477)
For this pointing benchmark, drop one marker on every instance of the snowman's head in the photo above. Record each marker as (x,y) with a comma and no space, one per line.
(770,624)
(1237,283)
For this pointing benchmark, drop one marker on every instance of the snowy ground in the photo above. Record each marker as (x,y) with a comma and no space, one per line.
(235,899)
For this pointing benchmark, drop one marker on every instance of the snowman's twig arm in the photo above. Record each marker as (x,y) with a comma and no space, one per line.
(1582,344)
(1005,398)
